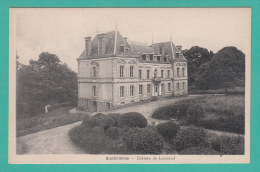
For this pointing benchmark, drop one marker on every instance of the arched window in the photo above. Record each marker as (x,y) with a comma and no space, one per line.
(178,71)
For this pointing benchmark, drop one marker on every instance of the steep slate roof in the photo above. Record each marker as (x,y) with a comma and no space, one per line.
(114,37)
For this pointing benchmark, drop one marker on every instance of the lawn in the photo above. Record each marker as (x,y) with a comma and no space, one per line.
(55,118)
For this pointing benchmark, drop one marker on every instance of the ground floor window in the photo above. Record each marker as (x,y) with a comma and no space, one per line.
(178,86)
(94,91)
(131,90)
(140,89)
(107,105)
(122,91)
(184,85)
(163,88)
(169,86)
(148,88)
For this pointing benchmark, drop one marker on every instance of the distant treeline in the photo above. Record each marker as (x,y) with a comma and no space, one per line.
(209,71)
(42,82)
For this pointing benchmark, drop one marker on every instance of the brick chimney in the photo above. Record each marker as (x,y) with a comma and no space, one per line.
(101,44)
(87,46)
(179,47)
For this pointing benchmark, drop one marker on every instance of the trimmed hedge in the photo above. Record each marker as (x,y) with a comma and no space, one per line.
(176,111)
(168,130)
(89,122)
(235,124)
(199,151)
(229,145)
(195,113)
(106,122)
(190,136)
(143,141)
(99,115)
(113,132)
(132,120)
(115,117)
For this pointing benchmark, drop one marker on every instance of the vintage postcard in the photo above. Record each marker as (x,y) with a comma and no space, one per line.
(129,85)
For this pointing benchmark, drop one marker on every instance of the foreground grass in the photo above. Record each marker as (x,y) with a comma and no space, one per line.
(55,118)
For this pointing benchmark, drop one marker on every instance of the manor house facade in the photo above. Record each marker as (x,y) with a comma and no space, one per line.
(112,71)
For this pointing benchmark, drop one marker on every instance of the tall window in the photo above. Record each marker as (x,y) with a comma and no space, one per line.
(121,71)
(155,73)
(140,89)
(148,88)
(169,86)
(183,71)
(168,73)
(140,73)
(131,71)
(94,72)
(148,74)
(163,88)
(122,91)
(162,73)
(94,91)
(178,86)
(178,71)
(131,90)
(183,85)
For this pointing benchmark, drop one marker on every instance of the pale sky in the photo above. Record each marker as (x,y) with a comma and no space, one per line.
(62,31)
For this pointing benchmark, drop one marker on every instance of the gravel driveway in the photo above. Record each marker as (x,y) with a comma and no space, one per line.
(57,141)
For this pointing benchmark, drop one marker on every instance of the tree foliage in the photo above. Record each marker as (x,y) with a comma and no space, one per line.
(196,56)
(225,70)
(42,82)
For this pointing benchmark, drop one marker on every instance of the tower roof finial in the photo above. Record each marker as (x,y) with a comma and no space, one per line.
(171,36)
(116,25)
(97,30)
(152,39)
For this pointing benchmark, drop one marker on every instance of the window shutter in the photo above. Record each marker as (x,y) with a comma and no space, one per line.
(97,71)
(118,71)
(126,91)
(118,91)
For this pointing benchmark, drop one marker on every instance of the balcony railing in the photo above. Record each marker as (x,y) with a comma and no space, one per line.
(156,80)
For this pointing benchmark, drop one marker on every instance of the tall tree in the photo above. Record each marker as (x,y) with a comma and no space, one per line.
(45,81)
(196,56)
(225,70)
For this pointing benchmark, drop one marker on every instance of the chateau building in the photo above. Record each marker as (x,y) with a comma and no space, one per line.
(113,71)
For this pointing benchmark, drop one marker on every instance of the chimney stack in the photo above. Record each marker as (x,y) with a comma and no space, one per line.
(179,47)
(87,46)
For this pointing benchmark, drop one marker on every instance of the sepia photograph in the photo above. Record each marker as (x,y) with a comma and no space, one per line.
(129,85)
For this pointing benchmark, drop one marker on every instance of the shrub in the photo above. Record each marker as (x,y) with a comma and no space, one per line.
(153,98)
(199,151)
(190,137)
(143,141)
(89,122)
(195,112)
(133,119)
(235,124)
(106,122)
(99,115)
(176,111)
(229,145)
(168,130)
(115,117)
(113,132)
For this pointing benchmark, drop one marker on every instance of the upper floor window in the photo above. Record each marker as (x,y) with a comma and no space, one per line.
(122,91)
(158,58)
(131,90)
(131,71)
(151,57)
(162,72)
(140,73)
(148,74)
(168,73)
(183,71)
(94,72)
(178,71)
(144,57)
(140,89)
(155,73)
(160,50)
(121,71)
